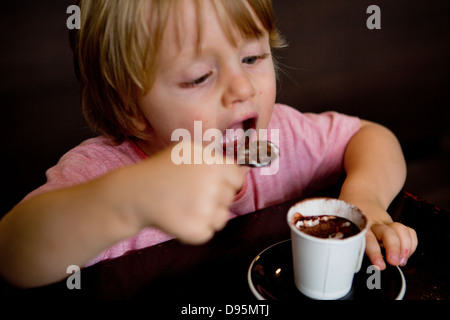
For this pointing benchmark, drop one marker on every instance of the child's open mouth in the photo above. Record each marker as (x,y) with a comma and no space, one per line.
(237,134)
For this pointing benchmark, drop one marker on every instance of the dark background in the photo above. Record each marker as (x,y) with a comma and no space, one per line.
(397,76)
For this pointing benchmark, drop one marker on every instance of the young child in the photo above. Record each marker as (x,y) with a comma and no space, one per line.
(150,67)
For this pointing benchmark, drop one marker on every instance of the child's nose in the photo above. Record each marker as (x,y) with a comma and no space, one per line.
(239,88)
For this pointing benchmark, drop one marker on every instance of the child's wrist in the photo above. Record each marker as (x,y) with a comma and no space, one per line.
(368,202)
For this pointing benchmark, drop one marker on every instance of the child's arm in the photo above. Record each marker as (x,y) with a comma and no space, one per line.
(376,172)
(45,234)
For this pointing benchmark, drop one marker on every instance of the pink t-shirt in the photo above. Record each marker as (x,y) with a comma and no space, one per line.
(312,147)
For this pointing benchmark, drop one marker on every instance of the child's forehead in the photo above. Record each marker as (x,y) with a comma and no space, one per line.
(188,21)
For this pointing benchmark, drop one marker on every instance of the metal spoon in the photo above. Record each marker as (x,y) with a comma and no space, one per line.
(257,154)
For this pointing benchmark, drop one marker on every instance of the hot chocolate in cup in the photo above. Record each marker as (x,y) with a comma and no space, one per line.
(328,243)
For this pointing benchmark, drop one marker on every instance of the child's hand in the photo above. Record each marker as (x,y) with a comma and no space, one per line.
(398,240)
(188,201)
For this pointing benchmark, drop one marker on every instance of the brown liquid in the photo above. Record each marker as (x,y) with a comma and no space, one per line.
(325,226)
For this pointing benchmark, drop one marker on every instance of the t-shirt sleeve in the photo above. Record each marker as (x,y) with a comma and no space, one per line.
(85,162)
(70,170)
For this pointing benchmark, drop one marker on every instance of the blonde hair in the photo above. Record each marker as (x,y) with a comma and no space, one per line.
(116,53)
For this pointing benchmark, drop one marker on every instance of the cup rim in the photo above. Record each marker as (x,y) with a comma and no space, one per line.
(330,241)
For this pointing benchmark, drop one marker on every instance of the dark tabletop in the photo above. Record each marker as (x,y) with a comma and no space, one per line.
(217,270)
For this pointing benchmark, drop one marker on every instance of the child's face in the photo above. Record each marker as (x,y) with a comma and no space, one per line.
(224,86)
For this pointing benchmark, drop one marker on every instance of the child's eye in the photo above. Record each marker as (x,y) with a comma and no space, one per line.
(253,59)
(197,81)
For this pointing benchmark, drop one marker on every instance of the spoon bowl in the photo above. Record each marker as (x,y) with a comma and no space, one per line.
(257,154)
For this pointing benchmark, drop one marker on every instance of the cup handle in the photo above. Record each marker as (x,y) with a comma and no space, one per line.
(361,255)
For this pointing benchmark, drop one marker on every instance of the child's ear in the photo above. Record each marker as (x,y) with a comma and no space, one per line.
(140,123)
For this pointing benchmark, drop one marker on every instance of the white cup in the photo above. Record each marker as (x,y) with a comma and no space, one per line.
(324,268)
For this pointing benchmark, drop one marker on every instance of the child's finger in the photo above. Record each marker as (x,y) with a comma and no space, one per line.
(391,242)
(373,250)
(408,241)
(415,241)
(221,218)
(195,232)
(234,176)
